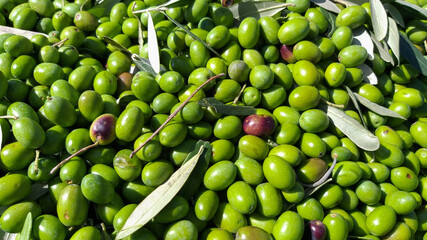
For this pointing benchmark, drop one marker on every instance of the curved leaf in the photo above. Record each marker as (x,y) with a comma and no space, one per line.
(256,9)
(361,136)
(412,9)
(369,74)
(37,190)
(159,198)
(393,38)
(412,54)
(361,37)
(379,19)
(331,19)
(382,48)
(153,45)
(395,14)
(356,105)
(328,5)
(377,108)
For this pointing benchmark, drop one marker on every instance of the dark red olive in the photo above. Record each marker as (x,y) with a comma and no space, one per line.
(260,125)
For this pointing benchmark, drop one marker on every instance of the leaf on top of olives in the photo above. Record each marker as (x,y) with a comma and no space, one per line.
(395,14)
(412,54)
(257,9)
(361,136)
(220,107)
(392,38)
(361,37)
(37,190)
(26,229)
(161,196)
(369,74)
(356,104)
(192,34)
(379,19)
(377,108)
(382,48)
(331,20)
(153,46)
(328,5)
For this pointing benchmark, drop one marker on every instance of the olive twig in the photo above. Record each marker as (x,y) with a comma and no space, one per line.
(240,94)
(332,104)
(175,113)
(82,6)
(60,43)
(9,117)
(325,176)
(96,143)
(36,161)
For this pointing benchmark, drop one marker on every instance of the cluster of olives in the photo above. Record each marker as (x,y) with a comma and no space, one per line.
(73,110)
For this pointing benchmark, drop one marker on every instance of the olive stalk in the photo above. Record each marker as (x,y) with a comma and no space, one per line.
(96,143)
(9,117)
(236,99)
(325,176)
(174,113)
(60,43)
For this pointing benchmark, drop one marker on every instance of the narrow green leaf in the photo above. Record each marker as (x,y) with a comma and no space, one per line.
(393,38)
(37,190)
(153,45)
(395,14)
(117,45)
(26,229)
(369,75)
(331,19)
(356,105)
(220,107)
(354,2)
(379,19)
(256,9)
(192,34)
(361,37)
(355,131)
(8,236)
(413,10)
(143,64)
(382,48)
(159,198)
(412,54)
(327,4)
(377,108)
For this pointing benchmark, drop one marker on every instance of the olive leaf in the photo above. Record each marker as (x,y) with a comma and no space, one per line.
(369,75)
(117,45)
(361,37)
(37,190)
(327,4)
(412,54)
(16,31)
(220,107)
(331,20)
(153,45)
(379,19)
(140,32)
(175,3)
(377,108)
(257,9)
(159,198)
(413,10)
(8,236)
(395,14)
(383,49)
(192,34)
(353,2)
(392,38)
(26,229)
(361,136)
(356,105)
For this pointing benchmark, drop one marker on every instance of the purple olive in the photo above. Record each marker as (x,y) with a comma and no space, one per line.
(103,129)
(260,125)
(317,229)
(287,54)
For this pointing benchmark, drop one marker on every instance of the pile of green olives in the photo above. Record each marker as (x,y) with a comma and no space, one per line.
(67,88)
